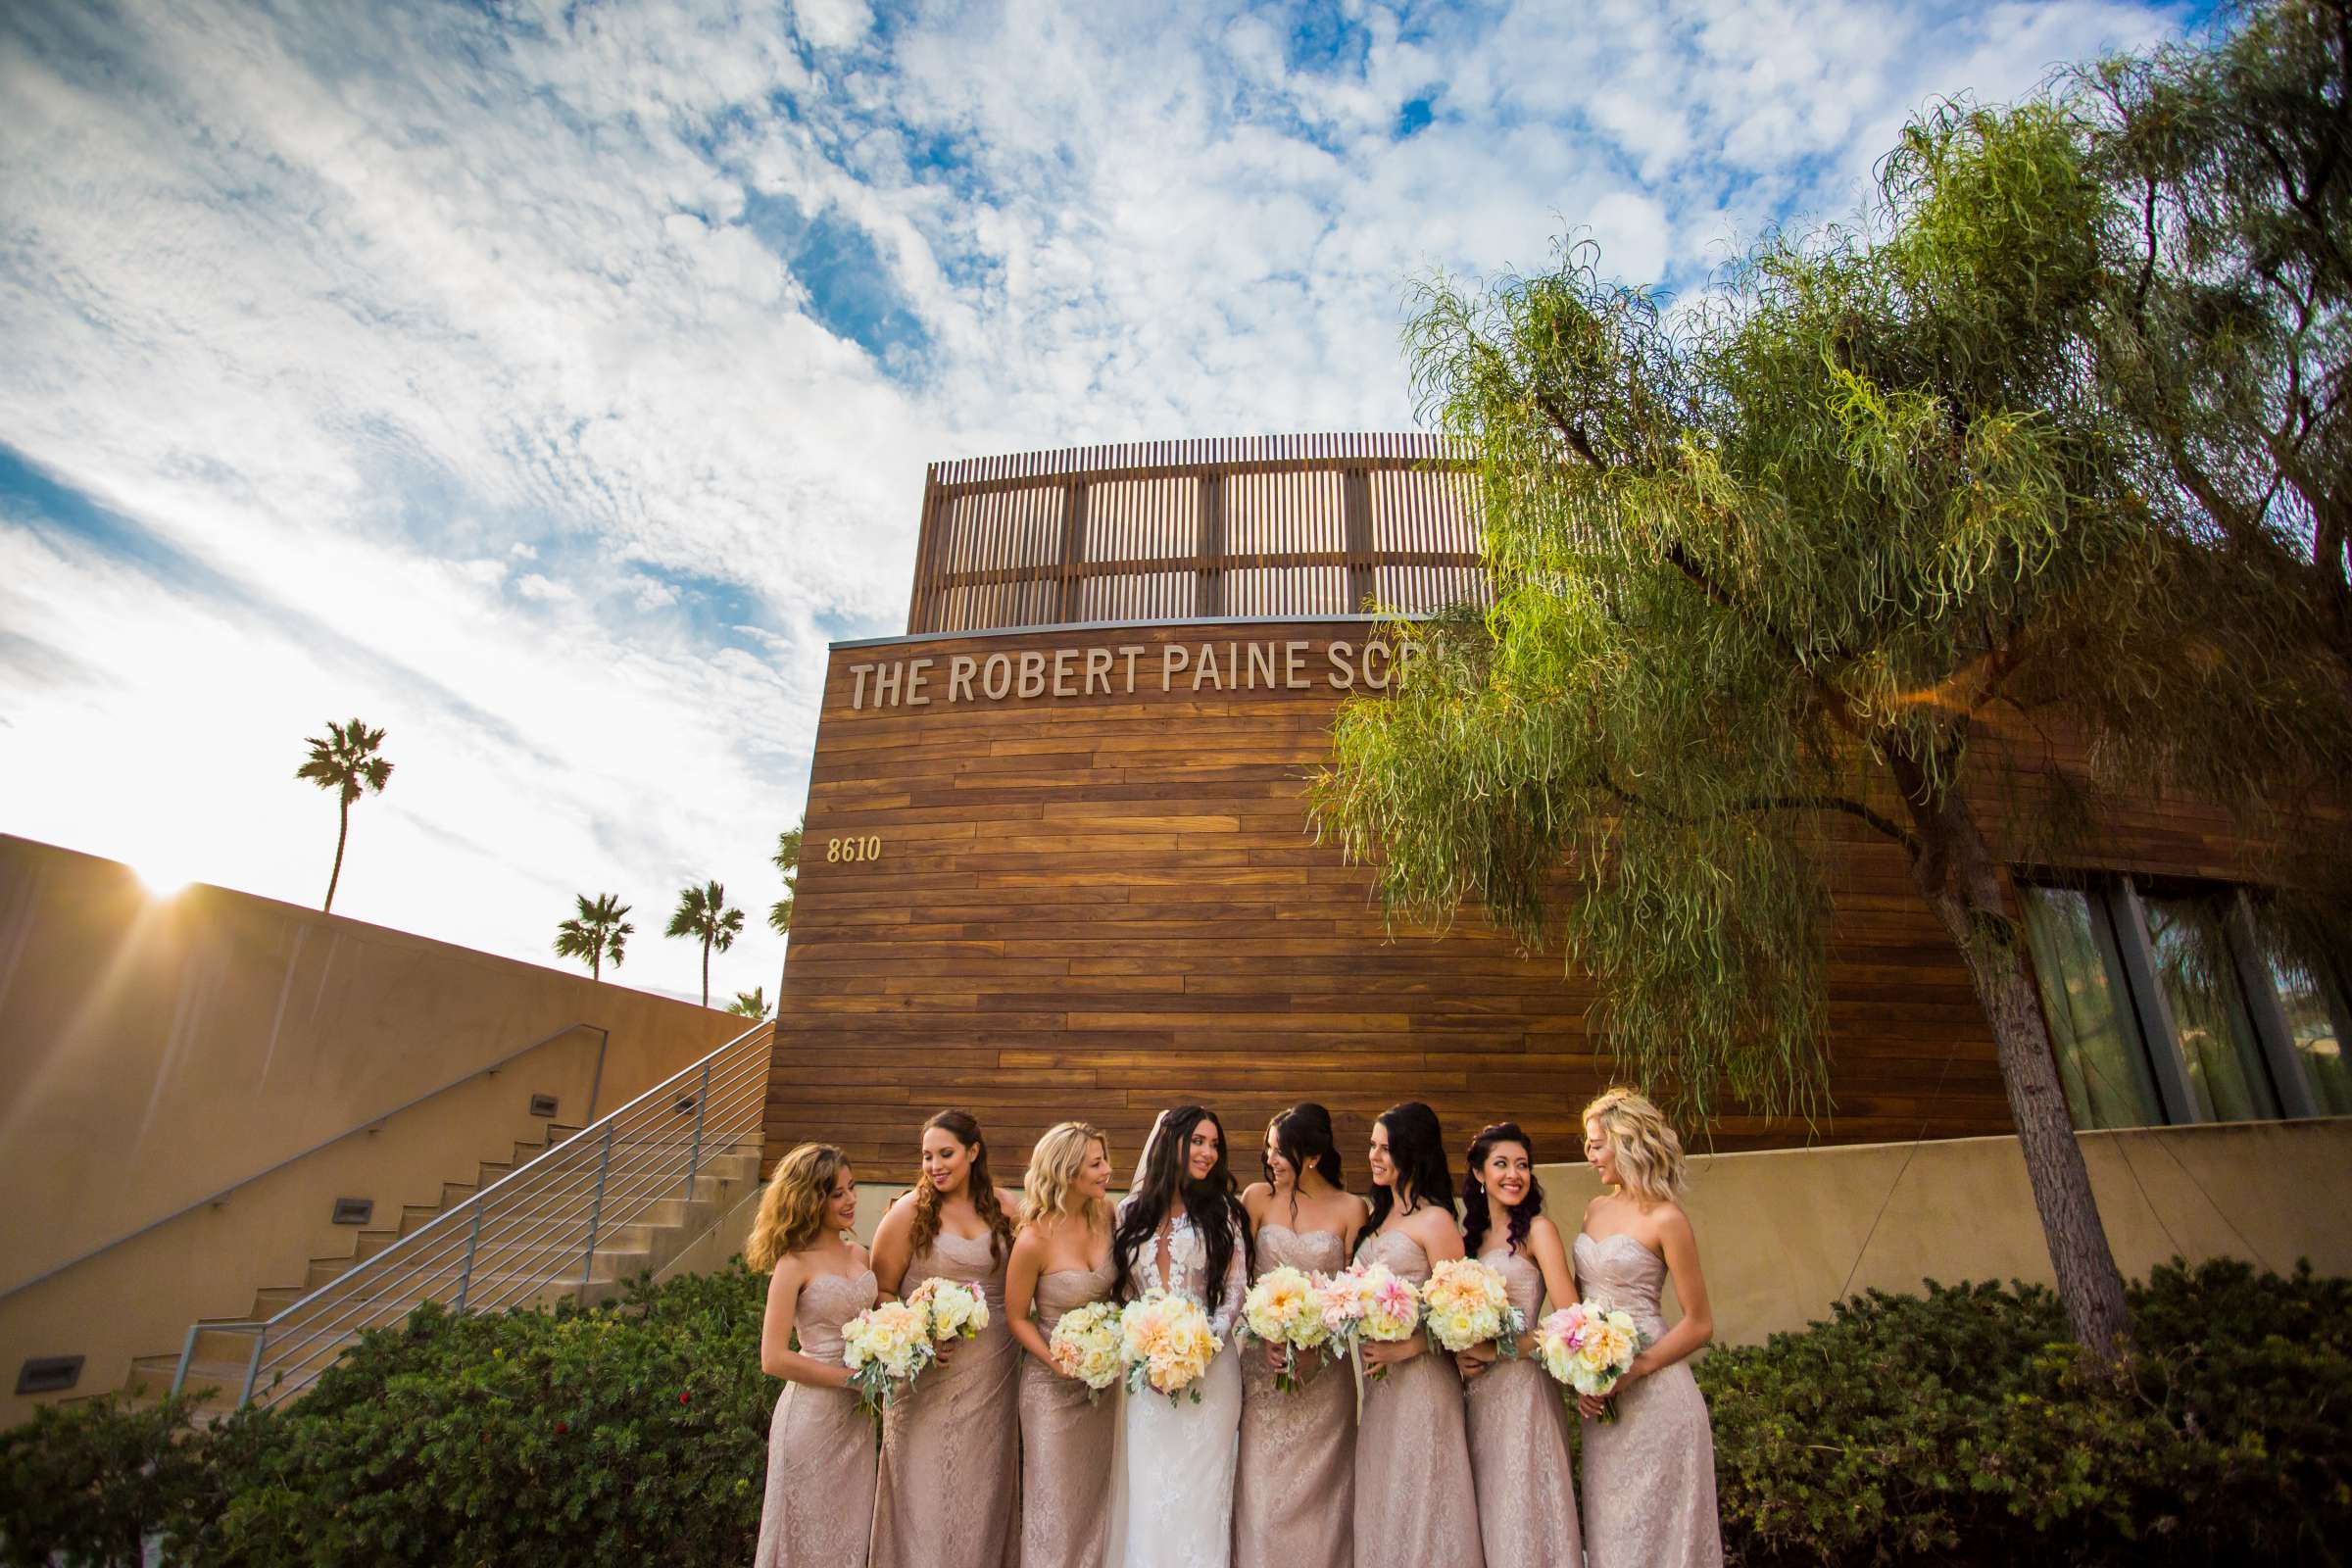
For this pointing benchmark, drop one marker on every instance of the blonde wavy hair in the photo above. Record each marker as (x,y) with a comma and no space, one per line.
(791,1211)
(1649,1156)
(1048,1191)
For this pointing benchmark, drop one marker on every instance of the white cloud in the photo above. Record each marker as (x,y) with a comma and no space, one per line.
(518,357)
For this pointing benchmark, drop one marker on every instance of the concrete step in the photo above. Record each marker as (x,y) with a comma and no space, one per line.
(505,1276)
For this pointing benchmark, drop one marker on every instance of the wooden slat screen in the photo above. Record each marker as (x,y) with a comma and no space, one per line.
(1262,525)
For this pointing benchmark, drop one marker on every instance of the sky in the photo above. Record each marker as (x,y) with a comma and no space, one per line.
(548,384)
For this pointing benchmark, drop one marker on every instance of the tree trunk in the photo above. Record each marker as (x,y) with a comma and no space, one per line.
(342,836)
(1962,884)
(705,972)
(595,962)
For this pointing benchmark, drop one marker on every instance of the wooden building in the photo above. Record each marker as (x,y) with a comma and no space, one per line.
(1057,864)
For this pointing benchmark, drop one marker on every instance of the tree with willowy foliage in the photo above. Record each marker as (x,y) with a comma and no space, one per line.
(2226,242)
(1836,551)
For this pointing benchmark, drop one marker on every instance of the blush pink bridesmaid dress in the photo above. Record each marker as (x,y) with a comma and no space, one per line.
(1294,1493)
(1068,1441)
(1519,1444)
(1415,1502)
(1649,1474)
(820,1445)
(950,1487)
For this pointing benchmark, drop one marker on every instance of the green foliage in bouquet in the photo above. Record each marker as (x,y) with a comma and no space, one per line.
(1955,1429)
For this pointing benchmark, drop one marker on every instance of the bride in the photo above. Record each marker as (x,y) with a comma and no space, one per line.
(1182,1229)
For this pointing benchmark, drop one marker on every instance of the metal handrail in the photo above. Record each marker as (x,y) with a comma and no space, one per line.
(595,1083)
(536,1217)
(538,1224)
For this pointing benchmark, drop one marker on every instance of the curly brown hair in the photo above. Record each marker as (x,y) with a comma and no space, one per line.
(965,1130)
(791,1211)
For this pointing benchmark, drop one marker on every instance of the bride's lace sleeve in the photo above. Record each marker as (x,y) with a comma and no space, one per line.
(1237,1285)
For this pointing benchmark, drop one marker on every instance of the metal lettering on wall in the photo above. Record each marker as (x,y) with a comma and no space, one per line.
(1114,670)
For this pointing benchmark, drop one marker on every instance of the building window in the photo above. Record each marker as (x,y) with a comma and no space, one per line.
(2220,1050)
(2186,1004)
(2102,1058)
(2318,1018)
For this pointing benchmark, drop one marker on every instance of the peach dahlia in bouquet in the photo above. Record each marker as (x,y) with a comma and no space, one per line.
(1467,1302)
(1166,1345)
(1587,1348)
(1285,1307)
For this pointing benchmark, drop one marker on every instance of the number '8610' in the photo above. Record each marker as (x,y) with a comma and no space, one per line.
(866,848)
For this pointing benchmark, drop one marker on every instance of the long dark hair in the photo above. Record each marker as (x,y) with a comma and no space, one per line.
(1210,1203)
(1417,1150)
(1521,1215)
(1302,1135)
(965,1130)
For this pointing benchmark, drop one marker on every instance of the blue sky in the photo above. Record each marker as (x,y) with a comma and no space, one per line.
(548,383)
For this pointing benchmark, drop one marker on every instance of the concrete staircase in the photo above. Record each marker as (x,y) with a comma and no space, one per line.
(652,1238)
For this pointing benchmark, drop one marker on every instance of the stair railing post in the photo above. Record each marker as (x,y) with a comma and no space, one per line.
(188,1353)
(595,1213)
(253,1366)
(702,1102)
(473,1240)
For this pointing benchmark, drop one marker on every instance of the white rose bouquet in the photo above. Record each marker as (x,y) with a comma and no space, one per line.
(1285,1307)
(1085,1345)
(953,1309)
(886,1347)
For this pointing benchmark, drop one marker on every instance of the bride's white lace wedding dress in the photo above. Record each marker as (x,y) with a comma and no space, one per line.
(1173,1501)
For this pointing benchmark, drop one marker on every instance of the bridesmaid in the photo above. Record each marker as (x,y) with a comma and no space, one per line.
(1649,1476)
(1293,1494)
(950,1485)
(1415,1502)
(1060,1261)
(1518,1424)
(821,1446)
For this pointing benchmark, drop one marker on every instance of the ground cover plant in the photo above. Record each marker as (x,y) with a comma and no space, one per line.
(1957,1426)
(1947,1427)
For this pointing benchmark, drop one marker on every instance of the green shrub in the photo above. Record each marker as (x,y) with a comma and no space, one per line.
(1959,1427)
(1950,1428)
(633,1434)
(85,1483)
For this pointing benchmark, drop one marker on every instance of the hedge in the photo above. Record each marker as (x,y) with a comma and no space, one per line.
(1949,1427)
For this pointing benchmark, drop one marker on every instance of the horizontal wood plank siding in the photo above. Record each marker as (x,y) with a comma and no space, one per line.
(1096,907)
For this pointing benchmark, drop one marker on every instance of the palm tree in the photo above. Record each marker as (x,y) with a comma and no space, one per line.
(787,860)
(752,1004)
(596,934)
(703,913)
(347,763)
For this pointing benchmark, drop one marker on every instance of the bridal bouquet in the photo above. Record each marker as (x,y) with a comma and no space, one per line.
(1086,1345)
(884,1348)
(1368,1302)
(1167,1343)
(1285,1307)
(1586,1347)
(954,1310)
(1467,1302)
